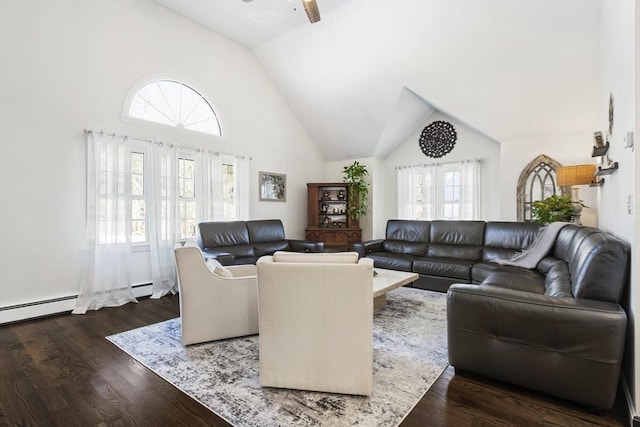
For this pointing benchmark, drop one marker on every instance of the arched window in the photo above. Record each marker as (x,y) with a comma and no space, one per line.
(175,104)
(537,182)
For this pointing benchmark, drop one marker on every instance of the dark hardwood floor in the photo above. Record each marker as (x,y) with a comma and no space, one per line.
(61,371)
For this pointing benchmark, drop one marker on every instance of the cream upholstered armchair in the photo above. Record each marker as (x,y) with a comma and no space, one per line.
(215,302)
(316,322)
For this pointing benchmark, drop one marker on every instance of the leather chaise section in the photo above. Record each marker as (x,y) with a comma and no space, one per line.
(570,348)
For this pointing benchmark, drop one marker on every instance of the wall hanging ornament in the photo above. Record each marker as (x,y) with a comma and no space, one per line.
(437,139)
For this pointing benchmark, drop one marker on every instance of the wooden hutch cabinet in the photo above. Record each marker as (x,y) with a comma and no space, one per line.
(328,220)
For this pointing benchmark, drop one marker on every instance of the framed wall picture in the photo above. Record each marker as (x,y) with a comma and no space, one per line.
(273,187)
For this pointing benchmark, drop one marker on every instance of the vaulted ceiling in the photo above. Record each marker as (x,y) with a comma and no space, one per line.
(371,72)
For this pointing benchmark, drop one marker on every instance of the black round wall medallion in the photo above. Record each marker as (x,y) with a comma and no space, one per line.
(437,139)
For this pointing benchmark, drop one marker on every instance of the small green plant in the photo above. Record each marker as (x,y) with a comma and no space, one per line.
(552,209)
(355,175)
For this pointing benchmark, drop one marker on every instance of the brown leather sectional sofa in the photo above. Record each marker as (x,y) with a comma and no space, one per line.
(558,328)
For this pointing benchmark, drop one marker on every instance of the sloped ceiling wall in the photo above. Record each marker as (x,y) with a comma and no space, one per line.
(506,68)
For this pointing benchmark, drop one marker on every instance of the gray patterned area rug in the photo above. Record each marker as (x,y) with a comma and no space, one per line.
(410,352)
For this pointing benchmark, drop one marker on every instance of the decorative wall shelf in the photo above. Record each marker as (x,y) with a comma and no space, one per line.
(600,151)
(607,171)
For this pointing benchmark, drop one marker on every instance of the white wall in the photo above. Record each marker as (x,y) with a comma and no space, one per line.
(618,59)
(68,65)
(470,144)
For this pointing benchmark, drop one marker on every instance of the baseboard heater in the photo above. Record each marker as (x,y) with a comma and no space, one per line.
(53,306)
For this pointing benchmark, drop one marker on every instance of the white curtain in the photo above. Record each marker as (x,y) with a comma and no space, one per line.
(406,182)
(216,189)
(470,189)
(424,192)
(219,209)
(163,218)
(106,275)
(242,187)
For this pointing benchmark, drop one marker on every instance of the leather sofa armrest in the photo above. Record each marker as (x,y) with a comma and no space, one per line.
(364,248)
(224,258)
(305,246)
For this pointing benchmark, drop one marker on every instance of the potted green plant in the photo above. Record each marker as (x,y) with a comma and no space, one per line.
(355,175)
(553,208)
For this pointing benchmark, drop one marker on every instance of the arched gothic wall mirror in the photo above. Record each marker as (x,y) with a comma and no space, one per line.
(537,182)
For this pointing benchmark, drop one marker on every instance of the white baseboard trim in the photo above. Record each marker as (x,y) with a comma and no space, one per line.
(35,309)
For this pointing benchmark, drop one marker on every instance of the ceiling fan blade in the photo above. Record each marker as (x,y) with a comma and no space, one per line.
(311,7)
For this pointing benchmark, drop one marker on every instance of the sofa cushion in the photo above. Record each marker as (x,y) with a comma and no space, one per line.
(408,230)
(516,281)
(390,261)
(215,267)
(456,239)
(268,230)
(268,248)
(547,263)
(557,282)
(564,247)
(481,270)
(502,240)
(238,251)
(223,234)
(405,247)
(472,253)
(444,267)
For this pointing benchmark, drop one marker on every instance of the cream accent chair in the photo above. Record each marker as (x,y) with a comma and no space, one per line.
(316,322)
(214,307)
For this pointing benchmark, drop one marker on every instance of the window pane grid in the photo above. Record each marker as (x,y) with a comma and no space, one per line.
(178,204)
(176,104)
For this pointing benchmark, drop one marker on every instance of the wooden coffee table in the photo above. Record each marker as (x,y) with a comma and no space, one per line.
(388,280)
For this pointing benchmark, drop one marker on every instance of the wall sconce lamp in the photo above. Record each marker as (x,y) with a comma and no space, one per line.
(576,175)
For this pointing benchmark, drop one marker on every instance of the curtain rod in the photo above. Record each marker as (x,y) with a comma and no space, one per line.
(480,160)
(126,138)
